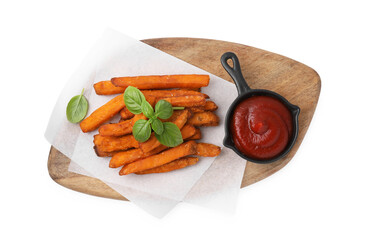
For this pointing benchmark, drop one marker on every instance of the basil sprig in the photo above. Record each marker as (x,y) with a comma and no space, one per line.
(77,108)
(167,133)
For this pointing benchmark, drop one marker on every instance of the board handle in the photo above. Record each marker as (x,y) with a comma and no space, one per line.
(235,72)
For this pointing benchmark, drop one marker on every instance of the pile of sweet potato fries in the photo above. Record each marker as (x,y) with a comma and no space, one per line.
(116,140)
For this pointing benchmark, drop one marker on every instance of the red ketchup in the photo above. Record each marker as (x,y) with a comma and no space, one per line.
(261,127)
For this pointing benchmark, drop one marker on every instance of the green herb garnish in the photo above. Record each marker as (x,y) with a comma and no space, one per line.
(171,135)
(141,130)
(77,108)
(167,133)
(157,126)
(133,99)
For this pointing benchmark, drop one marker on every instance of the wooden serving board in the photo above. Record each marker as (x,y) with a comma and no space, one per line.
(295,81)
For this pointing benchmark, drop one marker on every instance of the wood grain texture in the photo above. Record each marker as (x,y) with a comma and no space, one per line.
(262,69)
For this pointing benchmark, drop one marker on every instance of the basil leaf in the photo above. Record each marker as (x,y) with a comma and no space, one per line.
(171,135)
(77,108)
(157,126)
(133,99)
(141,130)
(163,109)
(147,109)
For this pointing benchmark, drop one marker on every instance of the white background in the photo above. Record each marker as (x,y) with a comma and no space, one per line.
(320,194)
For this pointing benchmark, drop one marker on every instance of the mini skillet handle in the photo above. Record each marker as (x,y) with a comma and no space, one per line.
(235,72)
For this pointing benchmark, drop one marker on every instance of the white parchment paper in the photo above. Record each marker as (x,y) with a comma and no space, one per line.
(118,55)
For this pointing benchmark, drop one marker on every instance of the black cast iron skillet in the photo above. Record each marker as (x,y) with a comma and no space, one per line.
(244,92)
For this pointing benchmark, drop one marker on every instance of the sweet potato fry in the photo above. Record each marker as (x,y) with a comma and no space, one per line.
(207,150)
(194,89)
(204,119)
(129,156)
(172,93)
(209,106)
(125,157)
(188,131)
(177,164)
(186,101)
(126,114)
(153,142)
(103,114)
(185,149)
(103,154)
(163,82)
(176,114)
(121,128)
(112,144)
(197,135)
(107,88)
